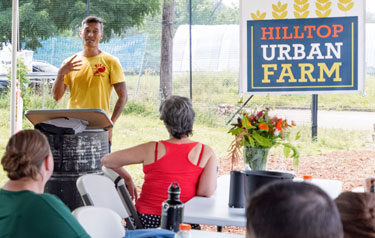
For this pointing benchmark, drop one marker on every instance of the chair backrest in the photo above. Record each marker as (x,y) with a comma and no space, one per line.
(100,222)
(119,183)
(99,191)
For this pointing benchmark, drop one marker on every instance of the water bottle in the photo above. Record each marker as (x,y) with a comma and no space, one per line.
(184,231)
(307,178)
(172,210)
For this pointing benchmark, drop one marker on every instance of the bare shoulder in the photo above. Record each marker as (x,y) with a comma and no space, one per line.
(207,155)
(208,151)
(147,145)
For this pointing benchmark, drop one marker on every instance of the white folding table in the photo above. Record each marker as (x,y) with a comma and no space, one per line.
(332,187)
(215,210)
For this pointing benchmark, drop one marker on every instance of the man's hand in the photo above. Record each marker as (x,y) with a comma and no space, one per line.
(110,135)
(59,87)
(70,66)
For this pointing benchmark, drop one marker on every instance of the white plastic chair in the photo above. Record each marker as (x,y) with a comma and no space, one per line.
(119,184)
(98,190)
(100,222)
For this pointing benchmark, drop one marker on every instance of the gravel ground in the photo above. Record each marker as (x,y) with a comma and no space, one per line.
(351,167)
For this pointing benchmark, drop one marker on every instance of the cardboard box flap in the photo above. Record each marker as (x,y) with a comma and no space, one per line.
(97,118)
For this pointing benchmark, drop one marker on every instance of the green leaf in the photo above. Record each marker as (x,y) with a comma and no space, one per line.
(287,151)
(246,140)
(262,141)
(245,123)
(235,131)
(252,143)
(298,135)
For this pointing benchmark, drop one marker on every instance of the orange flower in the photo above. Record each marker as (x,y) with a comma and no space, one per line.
(263,126)
(249,123)
(279,124)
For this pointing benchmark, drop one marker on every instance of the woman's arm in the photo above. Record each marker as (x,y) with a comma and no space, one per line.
(133,155)
(207,180)
(132,189)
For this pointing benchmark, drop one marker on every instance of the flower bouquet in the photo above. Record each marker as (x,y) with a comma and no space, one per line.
(256,132)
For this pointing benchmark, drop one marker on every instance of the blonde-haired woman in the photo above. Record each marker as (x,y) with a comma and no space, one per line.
(24,210)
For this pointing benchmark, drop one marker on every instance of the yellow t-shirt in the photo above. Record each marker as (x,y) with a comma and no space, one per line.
(91,87)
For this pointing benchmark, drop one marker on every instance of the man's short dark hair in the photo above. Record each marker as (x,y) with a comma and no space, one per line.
(178,116)
(93,19)
(292,210)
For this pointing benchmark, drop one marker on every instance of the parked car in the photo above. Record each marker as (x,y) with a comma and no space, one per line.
(35,79)
(3,85)
(41,66)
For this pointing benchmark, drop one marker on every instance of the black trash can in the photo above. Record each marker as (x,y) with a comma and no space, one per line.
(74,154)
(254,179)
(79,154)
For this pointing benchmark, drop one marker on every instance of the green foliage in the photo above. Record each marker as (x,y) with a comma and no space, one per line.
(41,19)
(32,29)
(4,100)
(258,130)
(140,108)
(205,12)
(24,83)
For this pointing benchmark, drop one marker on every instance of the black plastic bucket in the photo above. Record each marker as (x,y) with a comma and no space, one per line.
(236,190)
(76,155)
(254,179)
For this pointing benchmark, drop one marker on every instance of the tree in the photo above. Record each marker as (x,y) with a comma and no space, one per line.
(166,56)
(41,19)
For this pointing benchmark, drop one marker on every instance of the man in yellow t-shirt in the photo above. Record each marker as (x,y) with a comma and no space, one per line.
(92,74)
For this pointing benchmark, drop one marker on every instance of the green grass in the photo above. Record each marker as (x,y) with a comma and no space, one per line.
(133,129)
(140,121)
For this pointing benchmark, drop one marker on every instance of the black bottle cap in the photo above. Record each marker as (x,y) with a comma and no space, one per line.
(174,188)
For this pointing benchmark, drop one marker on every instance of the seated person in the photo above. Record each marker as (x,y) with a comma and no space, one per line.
(357,211)
(292,210)
(24,210)
(178,159)
(369,185)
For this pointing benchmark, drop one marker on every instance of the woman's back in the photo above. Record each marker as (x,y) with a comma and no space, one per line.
(28,214)
(173,166)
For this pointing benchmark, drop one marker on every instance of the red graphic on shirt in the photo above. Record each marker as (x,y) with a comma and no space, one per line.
(99,69)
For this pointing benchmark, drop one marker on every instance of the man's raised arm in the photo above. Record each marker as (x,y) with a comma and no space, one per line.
(59,87)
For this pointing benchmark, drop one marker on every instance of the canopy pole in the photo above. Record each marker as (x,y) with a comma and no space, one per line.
(14,67)
(190,50)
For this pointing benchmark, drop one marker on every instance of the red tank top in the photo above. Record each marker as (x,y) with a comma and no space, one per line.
(174,166)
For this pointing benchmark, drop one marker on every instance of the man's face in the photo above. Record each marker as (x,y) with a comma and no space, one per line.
(91,34)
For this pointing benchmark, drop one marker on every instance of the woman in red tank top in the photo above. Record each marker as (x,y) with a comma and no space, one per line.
(178,159)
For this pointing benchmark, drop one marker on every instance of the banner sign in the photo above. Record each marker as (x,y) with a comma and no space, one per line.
(322,54)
